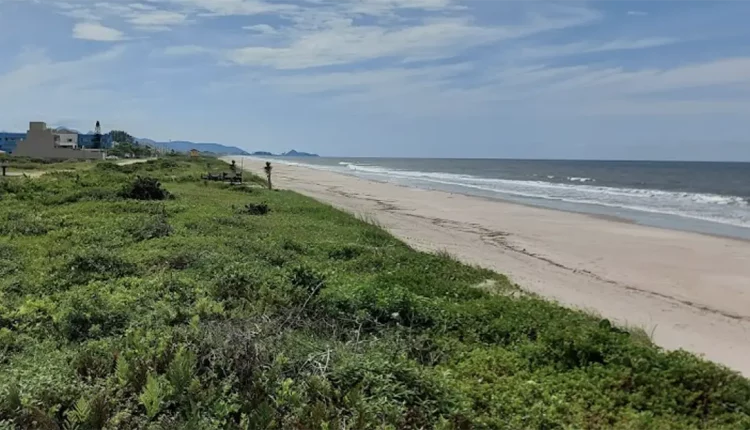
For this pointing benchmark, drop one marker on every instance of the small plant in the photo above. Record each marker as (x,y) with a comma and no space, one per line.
(153,395)
(155,227)
(122,370)
(308,279)
(256,209)
(145,188)
(88,414)
(345,253)
(182,369)
(96,263)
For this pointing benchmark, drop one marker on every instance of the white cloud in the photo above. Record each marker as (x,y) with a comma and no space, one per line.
(389,51)
(366,80)
(231,7)
(37,73)
(97,32)
(591,47)
(469,89)
(141,6)
(331,39)
(186,50)
(347,43)
(637,13)
(260,28)
(381,7)
(148,17)
(157,18)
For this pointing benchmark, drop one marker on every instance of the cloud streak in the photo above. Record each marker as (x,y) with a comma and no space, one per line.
(97,32)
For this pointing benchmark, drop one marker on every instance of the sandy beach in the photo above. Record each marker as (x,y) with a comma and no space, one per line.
(687,290)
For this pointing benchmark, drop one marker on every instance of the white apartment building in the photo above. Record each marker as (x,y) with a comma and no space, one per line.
(65,138)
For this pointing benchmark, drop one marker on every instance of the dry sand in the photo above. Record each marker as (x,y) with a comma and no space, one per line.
(688,290)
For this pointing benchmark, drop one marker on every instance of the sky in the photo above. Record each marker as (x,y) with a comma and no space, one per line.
(603,79)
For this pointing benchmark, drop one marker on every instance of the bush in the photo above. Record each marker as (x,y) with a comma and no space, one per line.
(95,264)
(239,280)
(144,188)
(33,225)
(151,228)
(92,312)
(256,209)
(307,279)
(345,253)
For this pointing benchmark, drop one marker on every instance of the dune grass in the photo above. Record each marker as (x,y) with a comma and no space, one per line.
(212,307)
(28,164)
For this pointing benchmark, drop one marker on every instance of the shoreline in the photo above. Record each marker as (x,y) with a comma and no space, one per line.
(686,288)
(643,217)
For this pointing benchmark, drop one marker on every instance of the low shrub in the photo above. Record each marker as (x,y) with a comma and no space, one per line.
(145,188)
(153,227)
(20,224)
(95,264)
(345,253)
(239,280)
(255,209)
(92,312)
(307,279)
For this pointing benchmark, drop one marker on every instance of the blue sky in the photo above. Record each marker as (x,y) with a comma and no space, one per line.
(491,78)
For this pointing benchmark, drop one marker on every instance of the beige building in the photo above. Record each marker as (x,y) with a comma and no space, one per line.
(42,142)
(66,138)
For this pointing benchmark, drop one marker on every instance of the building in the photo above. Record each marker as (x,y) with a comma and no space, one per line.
(66,138)
(42,142)
(194,153)
(9,141)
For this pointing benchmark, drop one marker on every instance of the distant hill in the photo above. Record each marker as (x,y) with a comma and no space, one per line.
(294,153)
(186,146)
(291,153)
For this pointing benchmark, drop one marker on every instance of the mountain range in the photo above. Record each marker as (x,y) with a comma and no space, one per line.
(292,153)
(186,146)
(216,148)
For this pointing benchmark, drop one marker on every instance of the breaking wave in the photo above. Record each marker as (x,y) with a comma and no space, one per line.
(731,210)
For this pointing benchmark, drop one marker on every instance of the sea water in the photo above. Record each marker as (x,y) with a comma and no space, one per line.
(706,197)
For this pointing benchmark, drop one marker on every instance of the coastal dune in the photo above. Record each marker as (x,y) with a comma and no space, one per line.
(686,290)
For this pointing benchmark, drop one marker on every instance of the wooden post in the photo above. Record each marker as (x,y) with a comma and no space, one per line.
(3,166)
(268,169)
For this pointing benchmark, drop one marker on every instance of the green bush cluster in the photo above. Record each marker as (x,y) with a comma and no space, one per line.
(136,310)
(144,188)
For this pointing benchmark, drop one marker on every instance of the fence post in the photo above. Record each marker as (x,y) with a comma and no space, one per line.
(268,169)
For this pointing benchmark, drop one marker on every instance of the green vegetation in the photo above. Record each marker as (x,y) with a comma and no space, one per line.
(131,150)
(27,164)
(122,136)
(173,303)
(127,146)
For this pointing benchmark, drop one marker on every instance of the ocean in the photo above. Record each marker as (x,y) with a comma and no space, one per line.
(711,198)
